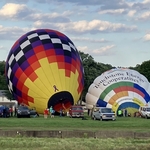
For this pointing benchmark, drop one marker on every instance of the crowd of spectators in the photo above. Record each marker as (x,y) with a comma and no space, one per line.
(6,111)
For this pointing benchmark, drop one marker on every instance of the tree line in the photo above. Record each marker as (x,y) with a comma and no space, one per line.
(92,69)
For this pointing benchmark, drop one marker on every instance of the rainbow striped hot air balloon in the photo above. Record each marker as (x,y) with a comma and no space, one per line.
(44,69)
(119,88)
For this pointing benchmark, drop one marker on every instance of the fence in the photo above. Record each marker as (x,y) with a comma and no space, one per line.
(75,134)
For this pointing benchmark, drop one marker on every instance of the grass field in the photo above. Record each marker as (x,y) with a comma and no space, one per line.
(73,144)
(66,123)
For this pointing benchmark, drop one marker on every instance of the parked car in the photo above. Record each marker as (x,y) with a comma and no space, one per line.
(76,111)
(145,111)
(103,113)
(23,111)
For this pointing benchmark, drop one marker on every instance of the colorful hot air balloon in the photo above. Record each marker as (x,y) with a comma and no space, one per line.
(119,88)
(44,69)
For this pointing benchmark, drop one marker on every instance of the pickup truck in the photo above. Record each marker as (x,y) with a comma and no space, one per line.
(76,111)
(103,113)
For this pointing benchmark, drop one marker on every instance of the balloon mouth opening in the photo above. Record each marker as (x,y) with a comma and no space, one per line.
(61,101)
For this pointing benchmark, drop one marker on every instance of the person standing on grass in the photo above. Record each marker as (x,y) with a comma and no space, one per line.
(4,112)
(11,111)
(50,111)
(126,113)
(15,112)
(61,111)
(45,113)
(53,113)
(119,112)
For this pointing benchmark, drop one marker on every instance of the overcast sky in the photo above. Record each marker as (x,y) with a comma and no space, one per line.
(115,32)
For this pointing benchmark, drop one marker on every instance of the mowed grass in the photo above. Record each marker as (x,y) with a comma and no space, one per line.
(73,144)
(66,123)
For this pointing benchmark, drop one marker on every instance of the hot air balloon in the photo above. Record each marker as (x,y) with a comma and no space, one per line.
(44,69)
(119,88)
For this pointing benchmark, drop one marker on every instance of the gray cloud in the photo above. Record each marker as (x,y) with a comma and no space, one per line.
(112,7)
(115,7)
(17,1)
(145,5)
(105,4)
(12,33)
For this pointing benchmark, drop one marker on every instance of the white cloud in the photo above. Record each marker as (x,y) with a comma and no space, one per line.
(85,39)
(106,50)
(103,50)
(144,16)
(146,2)
(83,26)
(147,37)
(112,11)
(83,49)
(1,47)
(51,17)
(131,13)
(11,9)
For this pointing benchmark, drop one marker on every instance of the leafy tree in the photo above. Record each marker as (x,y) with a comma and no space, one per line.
(137,67)
(92,69)
(3,83)
(9,95)
(145,69)
(2,67)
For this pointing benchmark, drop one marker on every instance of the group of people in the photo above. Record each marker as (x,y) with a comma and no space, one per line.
(123,112)
(49,111)
(6,111)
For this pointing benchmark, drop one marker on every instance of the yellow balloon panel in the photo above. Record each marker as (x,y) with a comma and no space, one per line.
(42,88)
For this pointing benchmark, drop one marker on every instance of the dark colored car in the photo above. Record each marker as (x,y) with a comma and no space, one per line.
(23,111)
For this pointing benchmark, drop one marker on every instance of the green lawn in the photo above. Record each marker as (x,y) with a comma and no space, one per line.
(73,144)
(66,123)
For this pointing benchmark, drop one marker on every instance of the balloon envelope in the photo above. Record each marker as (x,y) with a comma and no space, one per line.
(44,69)
(119,88)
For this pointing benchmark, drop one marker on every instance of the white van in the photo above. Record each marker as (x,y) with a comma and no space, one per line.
(103,113)
(145,111)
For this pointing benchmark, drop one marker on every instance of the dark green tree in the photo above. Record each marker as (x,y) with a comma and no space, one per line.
(3,83)
(145,69)
(92,69)
(137,67)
